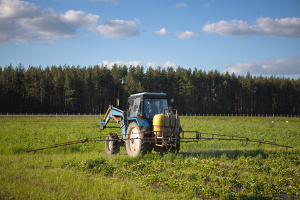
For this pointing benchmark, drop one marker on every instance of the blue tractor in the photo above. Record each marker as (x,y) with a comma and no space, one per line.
(149,123)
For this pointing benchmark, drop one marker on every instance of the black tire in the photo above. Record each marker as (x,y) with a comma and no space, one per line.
(175,149)
(147,147)
(112,145)
(135,144)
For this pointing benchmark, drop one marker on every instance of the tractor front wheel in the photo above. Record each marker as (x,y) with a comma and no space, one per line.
(112,145)
(135,142)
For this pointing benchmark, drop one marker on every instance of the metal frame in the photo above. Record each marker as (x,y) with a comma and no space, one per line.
(198,136)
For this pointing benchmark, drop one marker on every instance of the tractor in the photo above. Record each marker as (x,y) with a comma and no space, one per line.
(149,123)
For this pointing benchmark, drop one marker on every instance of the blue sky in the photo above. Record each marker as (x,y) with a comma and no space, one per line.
(259,36)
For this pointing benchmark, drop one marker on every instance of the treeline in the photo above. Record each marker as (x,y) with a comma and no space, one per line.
(65,89)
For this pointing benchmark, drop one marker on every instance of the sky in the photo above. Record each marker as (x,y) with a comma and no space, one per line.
(236,36)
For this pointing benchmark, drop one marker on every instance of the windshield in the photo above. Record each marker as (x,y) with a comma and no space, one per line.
(154,106)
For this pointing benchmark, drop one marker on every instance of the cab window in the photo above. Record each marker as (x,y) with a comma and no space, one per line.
(134,107)
(154,106)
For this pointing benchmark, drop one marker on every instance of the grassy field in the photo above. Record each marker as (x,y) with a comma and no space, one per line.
(208,169)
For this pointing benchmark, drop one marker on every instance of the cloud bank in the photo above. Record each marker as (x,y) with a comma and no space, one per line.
(285,66)
(279,67)
(25,22)
(285,27)
(22,21)
(135,63)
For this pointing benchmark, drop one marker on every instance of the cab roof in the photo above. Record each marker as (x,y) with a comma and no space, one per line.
(148,93)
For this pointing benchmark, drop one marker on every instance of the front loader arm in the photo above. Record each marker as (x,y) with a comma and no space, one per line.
(113,112)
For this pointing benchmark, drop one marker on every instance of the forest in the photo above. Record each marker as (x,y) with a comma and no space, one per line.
(71,89)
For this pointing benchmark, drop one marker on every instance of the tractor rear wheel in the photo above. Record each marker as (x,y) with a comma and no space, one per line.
(135,144)
(175,149)
(112,145)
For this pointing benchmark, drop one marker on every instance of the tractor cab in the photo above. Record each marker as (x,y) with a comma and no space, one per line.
(146,105)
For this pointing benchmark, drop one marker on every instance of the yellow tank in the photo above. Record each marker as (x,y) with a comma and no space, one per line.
(165,123)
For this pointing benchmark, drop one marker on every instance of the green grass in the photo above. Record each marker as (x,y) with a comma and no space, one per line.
(208,169)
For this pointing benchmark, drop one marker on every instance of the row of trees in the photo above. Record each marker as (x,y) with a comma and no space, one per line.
(66,89)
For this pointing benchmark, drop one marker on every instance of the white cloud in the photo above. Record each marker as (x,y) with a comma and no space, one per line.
(80,18)
(136,63)
(169,64)
(162,31)
(151,64)
(120,63)
(187,35)
(49,25)
(13,9)
(180,5)
(26,22)
(233,28)
(164,65)
(285,66)
(118,29)
(285,27)
(8,30)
